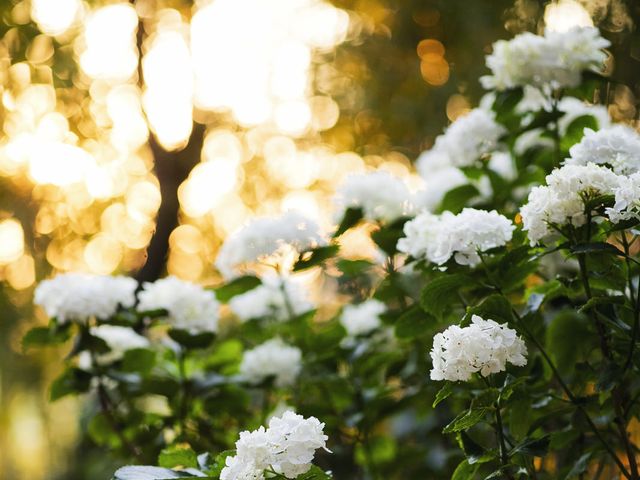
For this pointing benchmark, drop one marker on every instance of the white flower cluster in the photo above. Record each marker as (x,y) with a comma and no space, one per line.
(617,146)
(267,236)
(627,204)
(189,306)
(380,195)
(466,140)
(552,61)
(561,201)
(437,238)
(278,298)
(81,296)
(288,447)
(273,358)
(118,339)
(362,318)
(483,347)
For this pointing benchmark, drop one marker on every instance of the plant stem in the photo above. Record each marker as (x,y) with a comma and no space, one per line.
(635,300)
(562,383)
(106,405)
(504,457)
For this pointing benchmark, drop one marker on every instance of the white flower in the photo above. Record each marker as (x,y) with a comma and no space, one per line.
(273,358)
(561,202)
(296,440)
(502,163)
(483,347)
(462,236)
(119,340)
(553,61)
(80,296)
(279,298)
(288,447)
(265,237)
(380,195)
(627,205)
(466,140)
(617,146)
(436,185)
(237,468)
(189,306)
(362,318)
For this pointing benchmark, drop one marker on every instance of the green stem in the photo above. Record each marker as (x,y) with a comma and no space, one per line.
(636,305)
(563,385)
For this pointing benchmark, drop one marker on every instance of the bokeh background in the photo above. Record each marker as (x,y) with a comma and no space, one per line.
(135,136)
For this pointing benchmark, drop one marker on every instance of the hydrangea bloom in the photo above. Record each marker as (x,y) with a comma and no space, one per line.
(278,298)
(268,236)
(362,318)
(436,185)
(552,61)
(440,237)
(189,306)
(617,146)
(380,195)
(119,340)
(627,205)
(273,358)
(80,296)
(466,140)
(288,446)
(483,347)
(561,202)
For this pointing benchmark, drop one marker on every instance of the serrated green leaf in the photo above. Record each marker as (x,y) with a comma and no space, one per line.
(466,420)
(413,323)
(443,393)
(441,293)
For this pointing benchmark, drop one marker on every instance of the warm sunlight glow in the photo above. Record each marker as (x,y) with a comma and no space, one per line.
(11,241)
(563,15)
(55,17)
(109,37)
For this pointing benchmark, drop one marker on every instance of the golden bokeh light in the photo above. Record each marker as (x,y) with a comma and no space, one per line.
(55,17)
(562,15)
(11,241)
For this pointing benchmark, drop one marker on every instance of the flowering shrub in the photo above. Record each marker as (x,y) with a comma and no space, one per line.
(495,336)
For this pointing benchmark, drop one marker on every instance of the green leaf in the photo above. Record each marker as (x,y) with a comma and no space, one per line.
(495,307)
(413,323)
(219,462)
(580,466)
(72,381)
(533,447)
(465,471)
(387,236)
(505,104)
(191,340)
(575,130)
(350,219)
(353,268)
(152,473)
(599,203)
(237,286)
(610,376)
(439,294)
(315,257)
(596,247)
(178,456)
(466,420)
(602,300)
(458,198)
(315,473)
(443,393)
(568,338)
(139,360)
(46,336)
(471,449)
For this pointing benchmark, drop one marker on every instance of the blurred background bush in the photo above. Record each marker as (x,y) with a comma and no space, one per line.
(137,135)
